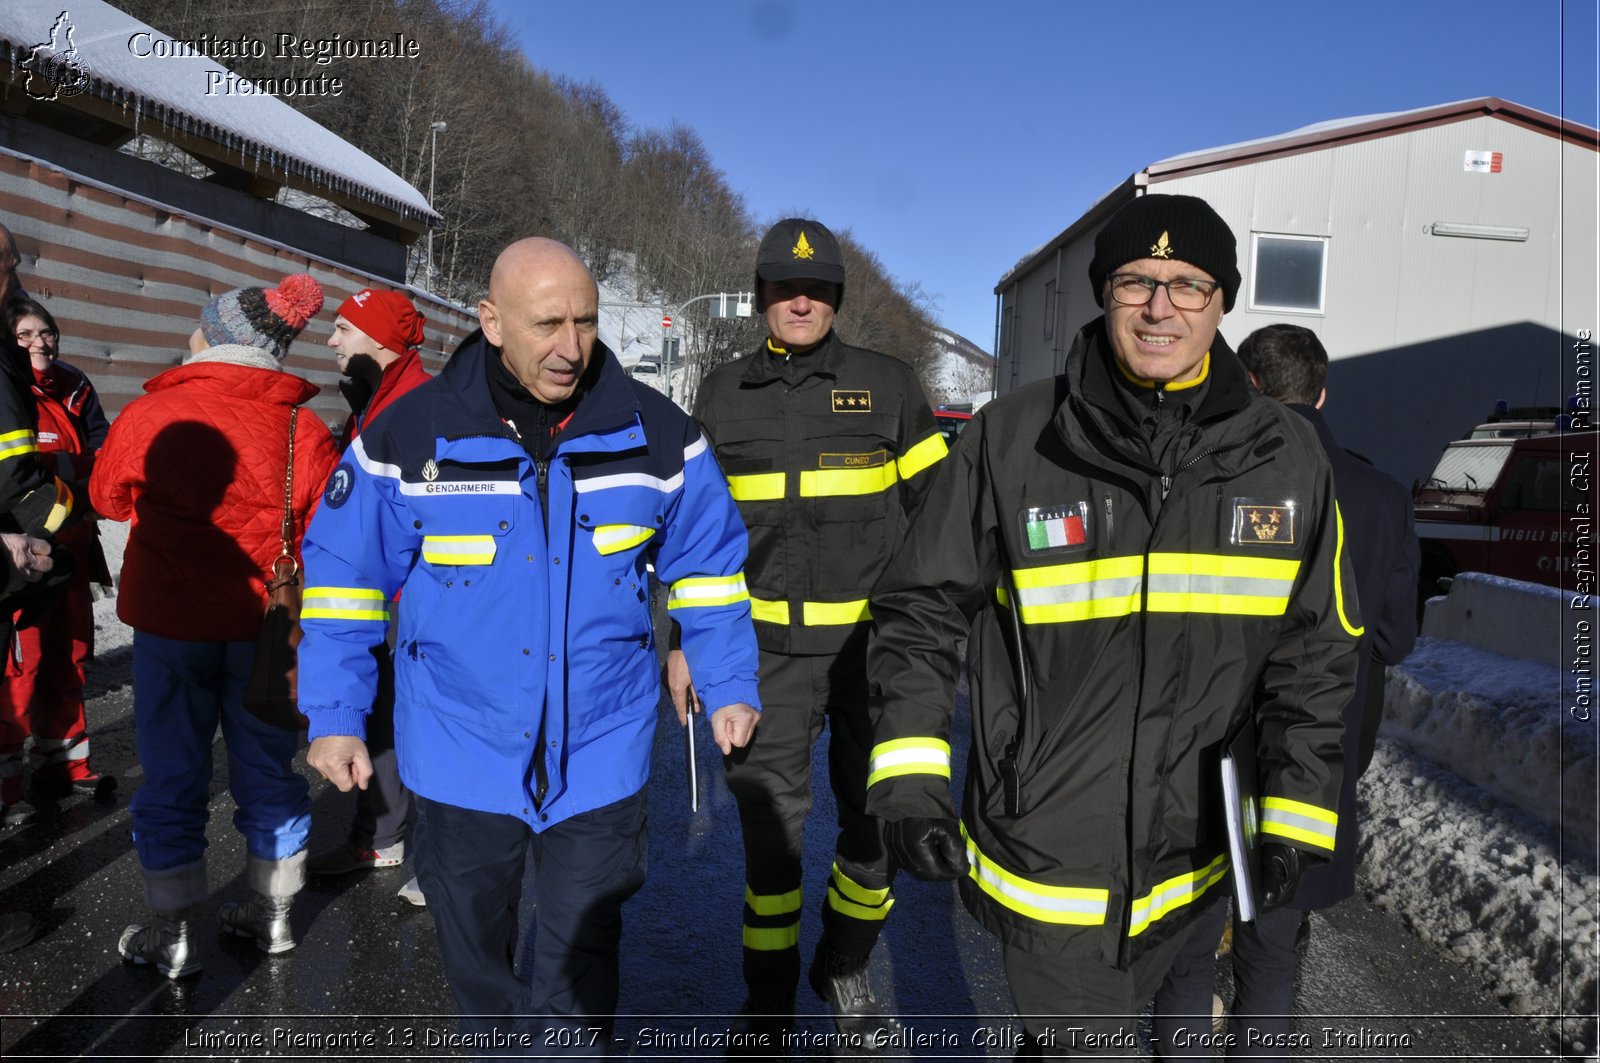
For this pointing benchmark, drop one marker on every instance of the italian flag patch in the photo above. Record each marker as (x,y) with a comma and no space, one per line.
(1057,526)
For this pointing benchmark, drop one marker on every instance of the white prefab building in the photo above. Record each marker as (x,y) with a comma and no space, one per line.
(1446,257)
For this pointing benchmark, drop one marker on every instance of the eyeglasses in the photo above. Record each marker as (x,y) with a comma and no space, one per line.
(1130,289)
(48,337)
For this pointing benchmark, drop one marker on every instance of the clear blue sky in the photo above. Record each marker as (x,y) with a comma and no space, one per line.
(953,136)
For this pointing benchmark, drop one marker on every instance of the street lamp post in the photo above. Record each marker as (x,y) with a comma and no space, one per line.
(433,164)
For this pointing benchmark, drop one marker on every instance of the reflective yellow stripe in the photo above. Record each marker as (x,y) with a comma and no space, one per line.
(1174,893)
(827,614)
(774,903)
(926,453)
(757,487)
(1082,590)
(700,591)
(812,614)
(1338,576)
(615,538)
(771,939)
(908,756)
(769,612)
(1299,821)
(1067,905)
(344,603)
(60,509)
(867,913)
(458,549)
(1220,583)
(821,483)
(18,442)
(855,891)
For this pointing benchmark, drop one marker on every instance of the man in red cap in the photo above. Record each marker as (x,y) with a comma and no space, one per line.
(375,340)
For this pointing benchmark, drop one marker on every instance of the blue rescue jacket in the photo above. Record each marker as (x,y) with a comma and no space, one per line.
(506,633)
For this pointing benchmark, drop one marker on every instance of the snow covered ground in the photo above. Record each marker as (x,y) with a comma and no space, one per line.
(1478,823)
(1464,833)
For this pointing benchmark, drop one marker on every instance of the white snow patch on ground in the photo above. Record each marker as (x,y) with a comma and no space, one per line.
(1478,825)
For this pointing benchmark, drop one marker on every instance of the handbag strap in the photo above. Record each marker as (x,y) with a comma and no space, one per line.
(286,530)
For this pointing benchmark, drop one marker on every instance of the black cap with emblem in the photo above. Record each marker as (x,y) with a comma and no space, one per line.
(799,249)
(1185,228)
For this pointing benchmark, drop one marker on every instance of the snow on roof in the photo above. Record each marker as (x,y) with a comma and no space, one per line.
(165,88)
(1366,124)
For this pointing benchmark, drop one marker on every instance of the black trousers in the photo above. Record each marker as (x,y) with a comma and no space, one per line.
(1074,1007)
(771,782)
(1264,964)
(471,867)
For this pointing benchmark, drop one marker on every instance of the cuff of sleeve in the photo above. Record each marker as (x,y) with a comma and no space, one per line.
(730,692)
(336,721)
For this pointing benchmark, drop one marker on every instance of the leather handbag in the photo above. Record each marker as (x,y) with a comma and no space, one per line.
(272,694)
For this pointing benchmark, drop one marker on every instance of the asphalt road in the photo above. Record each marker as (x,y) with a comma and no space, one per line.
(365,981)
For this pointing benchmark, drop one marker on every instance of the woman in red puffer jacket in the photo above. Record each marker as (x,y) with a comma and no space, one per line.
(198,466)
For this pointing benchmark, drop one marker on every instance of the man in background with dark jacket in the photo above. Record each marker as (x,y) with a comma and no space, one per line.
(376,340)
(1288,363)
(828,449)
(1147,554)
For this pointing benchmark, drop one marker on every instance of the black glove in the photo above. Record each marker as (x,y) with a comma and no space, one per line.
(1281,868)
(930,849)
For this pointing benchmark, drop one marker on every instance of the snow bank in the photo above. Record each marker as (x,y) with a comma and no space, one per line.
(1479,810)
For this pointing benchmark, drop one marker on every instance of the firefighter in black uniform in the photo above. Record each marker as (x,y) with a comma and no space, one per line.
(1289,363)
(828,449)
(1146,553)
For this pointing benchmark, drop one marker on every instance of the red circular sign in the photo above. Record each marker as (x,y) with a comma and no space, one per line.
(666,320)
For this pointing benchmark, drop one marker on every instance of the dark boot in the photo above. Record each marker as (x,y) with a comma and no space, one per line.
(842,981)
(765,1018)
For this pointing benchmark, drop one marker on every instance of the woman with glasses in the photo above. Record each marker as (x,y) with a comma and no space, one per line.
(43,690)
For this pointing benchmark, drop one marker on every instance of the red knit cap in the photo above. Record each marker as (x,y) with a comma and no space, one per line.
(388,317)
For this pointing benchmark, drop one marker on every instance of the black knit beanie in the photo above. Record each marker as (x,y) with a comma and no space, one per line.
(1180,228)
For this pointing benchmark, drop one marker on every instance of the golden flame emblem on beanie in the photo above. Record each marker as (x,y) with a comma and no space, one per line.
(1161,248)
(802,247)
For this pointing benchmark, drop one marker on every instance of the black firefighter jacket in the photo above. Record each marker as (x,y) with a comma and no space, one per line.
(826,453)
(1386,557)
(1157,608)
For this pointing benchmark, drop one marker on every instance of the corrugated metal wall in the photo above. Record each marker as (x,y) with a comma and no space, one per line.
(126,278)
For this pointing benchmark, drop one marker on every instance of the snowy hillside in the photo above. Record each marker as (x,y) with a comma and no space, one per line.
(964,369)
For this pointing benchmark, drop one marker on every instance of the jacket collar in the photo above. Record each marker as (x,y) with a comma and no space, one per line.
(1087,392)
(608,404)
(1091,363)
(825,359)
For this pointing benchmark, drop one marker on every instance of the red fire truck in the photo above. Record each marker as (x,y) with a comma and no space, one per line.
(1517,507)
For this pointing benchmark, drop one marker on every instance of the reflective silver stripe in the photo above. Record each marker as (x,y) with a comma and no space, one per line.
(1064,593)
(331,607)
(1195,583)
(628,479)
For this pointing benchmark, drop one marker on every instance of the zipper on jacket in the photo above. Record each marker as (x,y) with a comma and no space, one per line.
(1111,539)
(541,775)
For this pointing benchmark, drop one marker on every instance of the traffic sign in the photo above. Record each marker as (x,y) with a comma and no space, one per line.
(666,320)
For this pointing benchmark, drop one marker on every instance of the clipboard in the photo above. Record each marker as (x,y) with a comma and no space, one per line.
(1241,804)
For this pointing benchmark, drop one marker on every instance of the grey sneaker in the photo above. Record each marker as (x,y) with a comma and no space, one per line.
(19,814)
(411,893)
(261,917)
(164,943)
(347,858)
